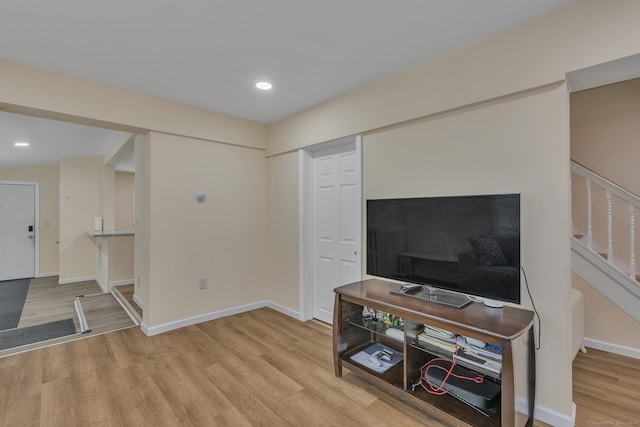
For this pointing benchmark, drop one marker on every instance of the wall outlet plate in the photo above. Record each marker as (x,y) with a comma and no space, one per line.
(203,283)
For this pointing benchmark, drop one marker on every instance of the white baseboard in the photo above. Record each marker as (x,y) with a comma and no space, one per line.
(547,415)
(50,274)
(102,286)
(120,283)
(284,310)
(138,301)
(169,326)
(612,348)
(77,280)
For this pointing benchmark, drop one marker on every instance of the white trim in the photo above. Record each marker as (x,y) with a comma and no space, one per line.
(305,208)
(546,415)
(607,279)
(188,321)
(76,280)
(120,283)
(104,288)
(605,183)
(612,348)
(50,274)
(305,214)
(284,310)
(84,327)
(125,306)
(138,301)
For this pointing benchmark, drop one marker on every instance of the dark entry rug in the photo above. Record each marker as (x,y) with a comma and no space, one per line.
(13,294)
(37,333)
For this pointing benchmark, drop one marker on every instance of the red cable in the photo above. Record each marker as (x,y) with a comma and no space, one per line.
(438,390)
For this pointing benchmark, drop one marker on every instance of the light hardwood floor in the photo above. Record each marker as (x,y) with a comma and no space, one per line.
(259,368)
(127,292)
(47,301)
(605,389)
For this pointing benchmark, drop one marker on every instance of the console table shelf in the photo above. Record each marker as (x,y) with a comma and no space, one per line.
(501,327)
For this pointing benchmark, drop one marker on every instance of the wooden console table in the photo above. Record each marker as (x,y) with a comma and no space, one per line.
(501,327)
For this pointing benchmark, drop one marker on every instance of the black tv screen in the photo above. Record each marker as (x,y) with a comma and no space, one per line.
(467,244)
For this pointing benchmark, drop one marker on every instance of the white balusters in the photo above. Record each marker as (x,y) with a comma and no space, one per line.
(609,228)
(610,190)
(589,228)
(632,240)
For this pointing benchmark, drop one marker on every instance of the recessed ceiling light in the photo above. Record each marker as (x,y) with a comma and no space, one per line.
(20,144)
(264,85)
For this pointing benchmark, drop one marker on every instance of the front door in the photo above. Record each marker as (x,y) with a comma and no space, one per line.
(17,231)
(336,224)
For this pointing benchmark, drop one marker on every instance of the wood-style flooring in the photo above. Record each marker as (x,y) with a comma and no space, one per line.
(127,292)
(259,368)
(605,389)
(47,301)
(103,313)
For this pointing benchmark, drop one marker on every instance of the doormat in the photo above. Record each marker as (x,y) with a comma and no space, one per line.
(32,334)
(13,294)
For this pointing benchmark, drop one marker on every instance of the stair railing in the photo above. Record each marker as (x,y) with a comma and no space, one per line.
(610,189)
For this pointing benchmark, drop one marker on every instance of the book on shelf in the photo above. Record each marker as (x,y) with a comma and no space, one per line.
(479,361)
(378,357)
(445,344)
(440,333)
(490,352)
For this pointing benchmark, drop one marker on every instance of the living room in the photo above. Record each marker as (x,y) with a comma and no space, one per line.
(491,117)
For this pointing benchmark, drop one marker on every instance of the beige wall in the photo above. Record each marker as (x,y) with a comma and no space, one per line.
(283,249)
(80,184)
(535,53)
(603,320)
(121,249)
(605,124)
(38,92)
(125,184)
(496,148)
(223,239)
(446,92)
(48,178)
(605,130)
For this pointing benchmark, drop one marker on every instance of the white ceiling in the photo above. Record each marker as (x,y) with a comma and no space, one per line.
(210,53)
(50,140)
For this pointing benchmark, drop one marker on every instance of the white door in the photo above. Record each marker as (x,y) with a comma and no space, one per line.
(336,224)
(17,231)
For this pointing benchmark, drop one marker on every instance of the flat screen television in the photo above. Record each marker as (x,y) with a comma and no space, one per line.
(466,244)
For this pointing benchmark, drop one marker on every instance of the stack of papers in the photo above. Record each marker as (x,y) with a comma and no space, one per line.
(378,357)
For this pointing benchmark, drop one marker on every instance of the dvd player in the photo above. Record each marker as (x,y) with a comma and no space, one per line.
(482,396)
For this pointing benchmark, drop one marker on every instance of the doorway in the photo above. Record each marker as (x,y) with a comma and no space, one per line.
(18,231)
(331,223)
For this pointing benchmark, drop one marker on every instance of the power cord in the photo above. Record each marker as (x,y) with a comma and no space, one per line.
(535,310)
(438,390)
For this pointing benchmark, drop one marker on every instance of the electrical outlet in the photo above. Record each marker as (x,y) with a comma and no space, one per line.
(138,281)
(203,283)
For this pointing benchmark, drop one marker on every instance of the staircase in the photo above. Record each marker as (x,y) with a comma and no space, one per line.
(604,240)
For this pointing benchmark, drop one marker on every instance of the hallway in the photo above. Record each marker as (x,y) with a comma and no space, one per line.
(47,302)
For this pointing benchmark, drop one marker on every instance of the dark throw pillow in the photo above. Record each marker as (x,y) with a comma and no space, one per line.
(488,250)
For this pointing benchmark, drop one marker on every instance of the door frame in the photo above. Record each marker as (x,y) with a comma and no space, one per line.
(305,190)
(36,225)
